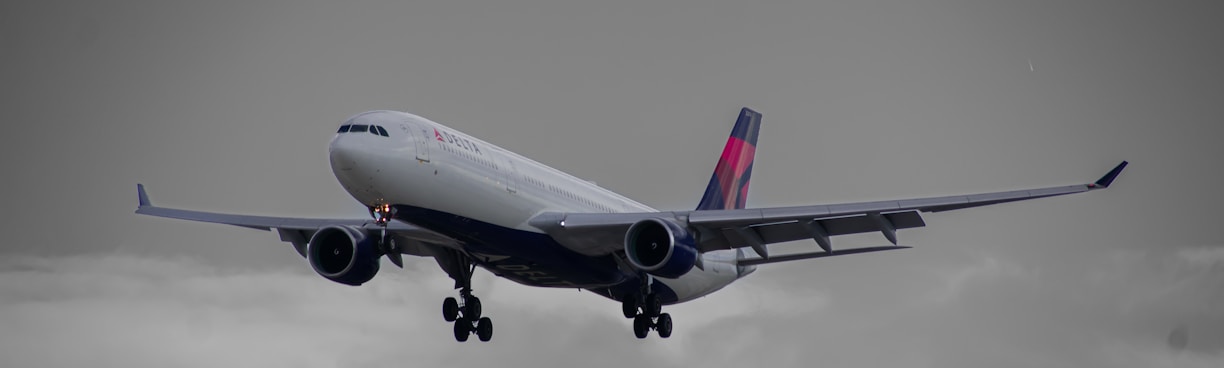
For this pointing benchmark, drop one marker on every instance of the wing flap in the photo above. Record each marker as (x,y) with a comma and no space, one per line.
(865,224)
(811,255)
(797,230)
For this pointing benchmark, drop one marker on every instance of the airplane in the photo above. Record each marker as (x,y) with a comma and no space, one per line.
(433,191)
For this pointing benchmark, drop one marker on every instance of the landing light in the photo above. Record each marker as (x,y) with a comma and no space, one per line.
(381,213)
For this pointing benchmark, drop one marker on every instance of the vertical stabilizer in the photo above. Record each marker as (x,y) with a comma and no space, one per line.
(728,187)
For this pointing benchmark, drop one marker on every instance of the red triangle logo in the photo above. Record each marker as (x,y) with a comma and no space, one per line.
(438,135)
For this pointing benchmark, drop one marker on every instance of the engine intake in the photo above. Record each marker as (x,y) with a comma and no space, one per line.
(660,247)
(343,254)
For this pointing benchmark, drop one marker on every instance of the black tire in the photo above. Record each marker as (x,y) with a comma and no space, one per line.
(463,329)
(629,306)
(641,326)
(664,325)
(484,329)
(450,309)
(471,308)
(653,306)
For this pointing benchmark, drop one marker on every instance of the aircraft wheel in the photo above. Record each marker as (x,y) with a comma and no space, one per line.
(629,306)
(641,326)
(471,308)
(463,329)
(664,325)
(450,309)
(484,329)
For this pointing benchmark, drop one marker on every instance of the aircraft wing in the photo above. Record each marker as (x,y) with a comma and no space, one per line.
(298,231)
(603,233)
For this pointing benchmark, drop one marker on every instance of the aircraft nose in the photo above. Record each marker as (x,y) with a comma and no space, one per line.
(352,149)
(343,152)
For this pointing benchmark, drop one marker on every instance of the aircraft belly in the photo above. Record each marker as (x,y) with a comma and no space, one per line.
(535,274)
(527,257)
(441,194)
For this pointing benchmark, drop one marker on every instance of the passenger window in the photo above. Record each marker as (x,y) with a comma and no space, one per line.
(344,128)
(358,128)
(382,132)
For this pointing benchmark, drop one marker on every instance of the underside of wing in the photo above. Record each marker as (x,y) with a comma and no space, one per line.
(298,231)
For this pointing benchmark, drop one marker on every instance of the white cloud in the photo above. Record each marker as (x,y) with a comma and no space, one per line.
(1128,355)
(985,271)
(125,310)
(122,311)
(1202,256)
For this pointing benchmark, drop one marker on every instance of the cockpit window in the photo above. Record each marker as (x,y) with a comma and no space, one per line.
(359,128)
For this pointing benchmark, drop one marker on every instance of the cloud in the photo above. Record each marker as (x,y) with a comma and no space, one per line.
(1086,312)
(125,310)
(1202,257)
(986,270)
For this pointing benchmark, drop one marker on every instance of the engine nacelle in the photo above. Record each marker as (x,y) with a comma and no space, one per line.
(343,254)
(660,247)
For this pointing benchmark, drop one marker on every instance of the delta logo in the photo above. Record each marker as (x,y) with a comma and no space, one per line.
(446,137)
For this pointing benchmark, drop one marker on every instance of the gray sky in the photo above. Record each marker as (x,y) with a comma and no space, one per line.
(229,106)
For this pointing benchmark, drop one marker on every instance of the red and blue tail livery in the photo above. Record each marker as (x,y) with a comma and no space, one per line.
(728,188)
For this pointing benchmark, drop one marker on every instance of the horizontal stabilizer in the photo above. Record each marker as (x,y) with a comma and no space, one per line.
(799,256)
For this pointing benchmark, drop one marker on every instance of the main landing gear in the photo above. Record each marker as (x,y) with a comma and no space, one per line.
(650,316)
(466,315)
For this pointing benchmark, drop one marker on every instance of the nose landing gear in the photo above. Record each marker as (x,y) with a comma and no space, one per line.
(383,214)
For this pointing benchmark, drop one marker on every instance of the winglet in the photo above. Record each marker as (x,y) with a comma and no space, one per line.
(1108,179)
(144,197)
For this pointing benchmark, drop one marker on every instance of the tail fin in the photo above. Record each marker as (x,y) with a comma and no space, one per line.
(728,188)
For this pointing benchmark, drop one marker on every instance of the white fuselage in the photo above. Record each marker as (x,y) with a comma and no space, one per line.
(425,165)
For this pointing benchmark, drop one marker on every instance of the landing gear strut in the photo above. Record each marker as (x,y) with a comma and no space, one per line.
(466,315)
(383,214)
(651,316)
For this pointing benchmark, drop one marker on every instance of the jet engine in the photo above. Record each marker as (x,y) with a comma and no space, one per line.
(343,254)
(660,247)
